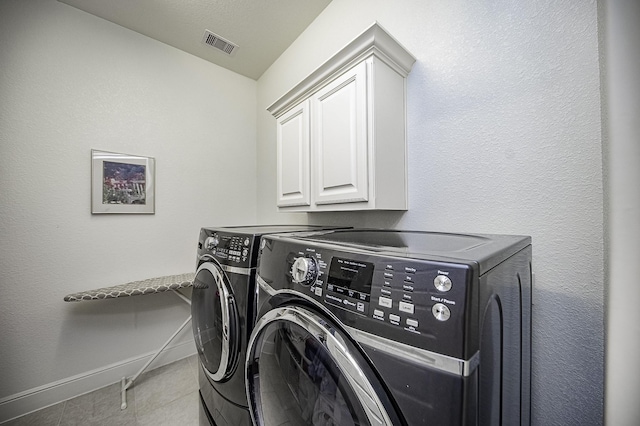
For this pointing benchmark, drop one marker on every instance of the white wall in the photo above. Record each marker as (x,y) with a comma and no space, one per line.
(504,136)
(70,82)
(622,58)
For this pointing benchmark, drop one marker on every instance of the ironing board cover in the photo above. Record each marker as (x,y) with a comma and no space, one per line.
(135,288)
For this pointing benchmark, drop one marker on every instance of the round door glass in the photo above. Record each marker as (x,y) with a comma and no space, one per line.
(210,317)
(299,381)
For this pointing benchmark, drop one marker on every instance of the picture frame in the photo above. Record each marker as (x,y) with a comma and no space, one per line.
(122,183)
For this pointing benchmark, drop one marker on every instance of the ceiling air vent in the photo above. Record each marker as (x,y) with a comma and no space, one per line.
(217,42)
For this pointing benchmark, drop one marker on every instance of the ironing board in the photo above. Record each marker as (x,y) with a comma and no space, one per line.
(136,288)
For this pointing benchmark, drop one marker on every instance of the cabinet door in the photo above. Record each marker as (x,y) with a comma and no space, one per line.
(293,157)
(339,134)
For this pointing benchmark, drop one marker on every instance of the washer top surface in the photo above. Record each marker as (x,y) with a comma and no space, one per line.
(266,229)
(486,250)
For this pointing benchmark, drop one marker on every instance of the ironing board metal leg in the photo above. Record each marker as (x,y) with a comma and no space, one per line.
(123,394)
(128,383)
(183,297)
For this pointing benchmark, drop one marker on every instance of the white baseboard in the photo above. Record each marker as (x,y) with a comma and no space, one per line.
(53,393)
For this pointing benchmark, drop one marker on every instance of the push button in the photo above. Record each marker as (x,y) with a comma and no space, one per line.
(406,307)
(442,283)
(441,312)
(412,322)
(385,302)
(395,319)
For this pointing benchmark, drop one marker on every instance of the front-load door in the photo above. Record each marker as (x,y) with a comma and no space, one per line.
(215,321)
(302,370)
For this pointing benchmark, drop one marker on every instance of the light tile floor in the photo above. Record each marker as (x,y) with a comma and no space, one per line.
(165,396)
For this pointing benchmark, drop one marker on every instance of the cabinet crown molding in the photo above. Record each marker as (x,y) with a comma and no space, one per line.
(373,41)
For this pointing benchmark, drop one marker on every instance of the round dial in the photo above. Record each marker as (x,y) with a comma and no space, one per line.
(304,270)
(211,242)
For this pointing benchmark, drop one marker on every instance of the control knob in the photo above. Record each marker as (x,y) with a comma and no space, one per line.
(211,242)
(304,270)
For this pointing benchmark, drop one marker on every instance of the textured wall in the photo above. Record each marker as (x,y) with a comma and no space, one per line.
(504,136)
(70,82)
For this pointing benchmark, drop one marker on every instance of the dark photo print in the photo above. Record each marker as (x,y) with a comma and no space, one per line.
(123,183)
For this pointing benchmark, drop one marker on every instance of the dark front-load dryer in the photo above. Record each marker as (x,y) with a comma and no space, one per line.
(387,328)
(223,312)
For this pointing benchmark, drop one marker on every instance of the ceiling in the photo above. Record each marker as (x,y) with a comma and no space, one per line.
(261,29)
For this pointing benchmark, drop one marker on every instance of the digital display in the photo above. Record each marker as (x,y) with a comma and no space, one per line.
(351,274)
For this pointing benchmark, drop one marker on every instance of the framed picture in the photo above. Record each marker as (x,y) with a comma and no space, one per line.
(122,183)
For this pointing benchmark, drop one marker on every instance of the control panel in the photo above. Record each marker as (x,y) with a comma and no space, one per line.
(417,298)
(227,248)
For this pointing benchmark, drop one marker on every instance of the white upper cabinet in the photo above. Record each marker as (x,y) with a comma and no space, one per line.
(293,157)
(341,136)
